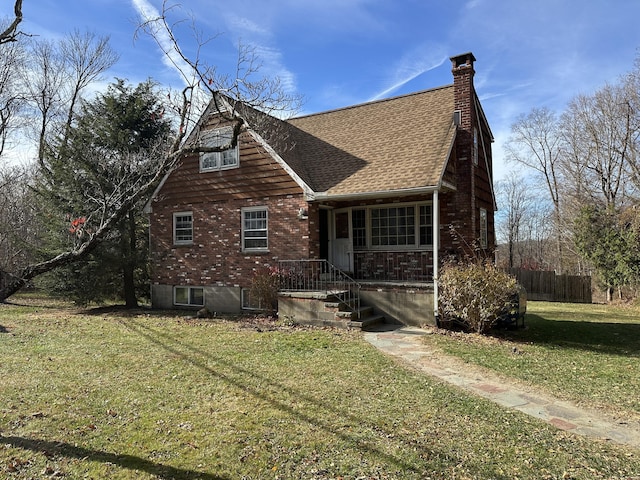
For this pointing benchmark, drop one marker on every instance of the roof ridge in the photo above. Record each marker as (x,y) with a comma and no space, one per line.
(372,102)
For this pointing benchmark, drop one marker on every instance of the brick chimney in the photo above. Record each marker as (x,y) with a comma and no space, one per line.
(464,93)
(464,199)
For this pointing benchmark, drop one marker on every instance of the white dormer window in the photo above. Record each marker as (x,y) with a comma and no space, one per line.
(210,161)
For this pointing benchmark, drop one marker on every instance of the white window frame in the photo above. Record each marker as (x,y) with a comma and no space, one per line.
(181,241)
(190,296)
(215,161)
(416,226)
(246,230)
(484,229)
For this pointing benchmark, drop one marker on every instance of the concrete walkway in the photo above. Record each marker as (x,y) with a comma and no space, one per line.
(406,343)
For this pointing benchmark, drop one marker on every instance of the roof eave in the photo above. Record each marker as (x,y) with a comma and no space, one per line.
(401,192)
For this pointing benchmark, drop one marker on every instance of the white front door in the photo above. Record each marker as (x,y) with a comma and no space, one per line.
(342,252)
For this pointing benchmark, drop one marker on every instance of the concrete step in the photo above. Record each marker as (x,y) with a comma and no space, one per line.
(362,312)
(365,323)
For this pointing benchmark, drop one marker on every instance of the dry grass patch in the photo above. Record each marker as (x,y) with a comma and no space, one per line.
(119,395)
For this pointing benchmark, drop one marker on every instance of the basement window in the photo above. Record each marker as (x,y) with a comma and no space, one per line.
(188,296)
(249,302)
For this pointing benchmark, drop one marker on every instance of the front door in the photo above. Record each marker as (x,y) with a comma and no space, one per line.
(342,256)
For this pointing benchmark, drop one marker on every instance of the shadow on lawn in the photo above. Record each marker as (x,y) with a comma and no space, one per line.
(52,448)
(609,338)
(242,378)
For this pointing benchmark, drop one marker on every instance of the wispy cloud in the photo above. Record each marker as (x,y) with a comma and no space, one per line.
(410,66)
(260,38)
(170,57)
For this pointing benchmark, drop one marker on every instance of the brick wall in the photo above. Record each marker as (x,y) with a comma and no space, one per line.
(216,257)
(413,266)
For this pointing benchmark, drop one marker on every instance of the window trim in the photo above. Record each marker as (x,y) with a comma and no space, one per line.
(189,295)
(484,228)
(216,134)
(475,146)
(416,215)
(245,210)
(175,228)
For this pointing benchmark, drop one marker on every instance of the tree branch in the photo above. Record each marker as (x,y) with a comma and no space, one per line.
(11,33)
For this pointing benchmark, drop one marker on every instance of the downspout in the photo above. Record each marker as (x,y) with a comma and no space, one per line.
(436,246)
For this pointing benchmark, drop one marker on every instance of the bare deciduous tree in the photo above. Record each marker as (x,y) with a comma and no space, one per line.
(85,57)
(242,99)
(11,32)
(12,95)
(59,74)
(536,142)
(19,227)
(601,145)
(515,198)
(44,82)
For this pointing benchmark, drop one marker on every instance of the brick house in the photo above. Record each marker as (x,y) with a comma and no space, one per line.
(368,190)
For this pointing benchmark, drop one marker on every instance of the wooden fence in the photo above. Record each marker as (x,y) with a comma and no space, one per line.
(547,286)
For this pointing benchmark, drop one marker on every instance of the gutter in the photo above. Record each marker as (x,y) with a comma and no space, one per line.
(318,196)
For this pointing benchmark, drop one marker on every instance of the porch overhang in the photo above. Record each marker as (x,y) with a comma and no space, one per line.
(402,192)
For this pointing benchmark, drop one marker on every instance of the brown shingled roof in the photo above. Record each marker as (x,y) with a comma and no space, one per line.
(395,144)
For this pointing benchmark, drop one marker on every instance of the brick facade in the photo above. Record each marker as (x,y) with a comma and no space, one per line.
(298,227)
(215,257)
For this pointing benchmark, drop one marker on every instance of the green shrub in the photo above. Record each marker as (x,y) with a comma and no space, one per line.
(474,294)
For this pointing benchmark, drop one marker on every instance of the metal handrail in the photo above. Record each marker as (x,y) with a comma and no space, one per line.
(319,276)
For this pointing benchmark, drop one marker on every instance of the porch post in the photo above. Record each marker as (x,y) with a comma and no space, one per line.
(436,245)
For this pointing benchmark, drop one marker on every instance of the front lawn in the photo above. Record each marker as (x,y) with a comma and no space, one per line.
(589,354)
(110,395)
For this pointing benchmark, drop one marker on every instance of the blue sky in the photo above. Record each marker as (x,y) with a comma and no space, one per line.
(337,53)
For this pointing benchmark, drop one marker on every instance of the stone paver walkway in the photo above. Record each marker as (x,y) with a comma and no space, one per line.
(406,343)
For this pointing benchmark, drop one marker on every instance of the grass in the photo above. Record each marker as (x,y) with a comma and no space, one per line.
(585,353)
(116,395)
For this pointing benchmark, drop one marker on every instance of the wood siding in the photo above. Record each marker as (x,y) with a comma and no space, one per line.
(216,199)
(258,175)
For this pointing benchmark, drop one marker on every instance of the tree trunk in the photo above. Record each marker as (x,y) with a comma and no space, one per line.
(609,294)
(32,271)
(128,244)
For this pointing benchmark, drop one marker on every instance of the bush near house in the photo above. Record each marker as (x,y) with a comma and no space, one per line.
(474,294)
(264,289)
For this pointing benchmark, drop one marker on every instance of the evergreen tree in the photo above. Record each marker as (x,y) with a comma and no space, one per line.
(611,242)
(107,151)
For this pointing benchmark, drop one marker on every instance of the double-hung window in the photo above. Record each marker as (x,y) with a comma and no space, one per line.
(183,228)
(254,229)
(229,158)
